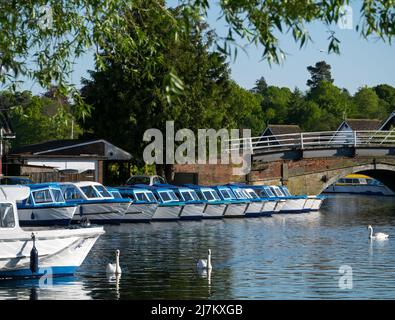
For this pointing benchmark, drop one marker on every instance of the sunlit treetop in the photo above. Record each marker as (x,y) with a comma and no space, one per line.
(41,39)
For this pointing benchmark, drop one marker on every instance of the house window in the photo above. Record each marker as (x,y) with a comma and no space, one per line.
(7,219)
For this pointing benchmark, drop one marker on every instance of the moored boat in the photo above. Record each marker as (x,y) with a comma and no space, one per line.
(45,206)
(236,207)
(42,252)
(214,206)
(143,206)
(95,202)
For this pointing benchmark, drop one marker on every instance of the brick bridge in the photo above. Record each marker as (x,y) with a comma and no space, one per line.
(308,162)
(312,176)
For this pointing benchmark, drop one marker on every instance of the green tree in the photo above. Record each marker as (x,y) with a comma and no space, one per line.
(260,86)
(319,73)
(41,39)
(367,104)
(275,104)
(35,119)
(123,100)
(245,111)
(386,94)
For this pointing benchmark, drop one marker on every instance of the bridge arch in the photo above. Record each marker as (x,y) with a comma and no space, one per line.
(384,173)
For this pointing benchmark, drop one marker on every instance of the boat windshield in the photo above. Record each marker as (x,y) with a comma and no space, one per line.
(225,193)
(57,195)
(116,194)
(268,192)
(186,195)
(71,193)
(141,196)
(286,191)
(42,196)
(103,191)
(277,191)
(90,192)
(7,218)
(167,196)
(252,194)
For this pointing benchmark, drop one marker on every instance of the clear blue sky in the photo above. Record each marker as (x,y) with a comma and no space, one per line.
(360,63)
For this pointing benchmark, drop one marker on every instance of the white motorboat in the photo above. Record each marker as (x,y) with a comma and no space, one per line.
(41,252)
(95,202)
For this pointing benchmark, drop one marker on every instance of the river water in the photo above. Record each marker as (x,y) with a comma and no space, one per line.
(322,255)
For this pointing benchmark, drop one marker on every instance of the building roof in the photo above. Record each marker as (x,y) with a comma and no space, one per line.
(389,122)
(277,129)
(362,124)
(70,148)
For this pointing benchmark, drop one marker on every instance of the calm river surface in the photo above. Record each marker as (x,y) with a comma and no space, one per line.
(282,257)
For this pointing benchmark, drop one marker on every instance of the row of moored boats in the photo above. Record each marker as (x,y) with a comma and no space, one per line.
(63,203)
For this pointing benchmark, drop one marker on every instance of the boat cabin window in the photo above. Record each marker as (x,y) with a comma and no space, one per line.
(7,219)
(286,191)
(90,192)
(252,194)
(151,196)
(116,194)
(167,196)
(268,192)
(277,191)
(225,193)
(215,195)
(186,196)
(57,195)
(42,196)
(103,191)
(141,196)
(158,180)
(71,193)
(207,195)
(194,195)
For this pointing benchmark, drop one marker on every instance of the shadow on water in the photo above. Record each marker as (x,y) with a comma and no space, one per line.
(282,257)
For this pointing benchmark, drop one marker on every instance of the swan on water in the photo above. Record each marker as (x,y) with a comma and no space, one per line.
(114,268)
(377,236)
(205,263)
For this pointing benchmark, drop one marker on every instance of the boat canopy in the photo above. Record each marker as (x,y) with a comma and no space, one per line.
(14,192)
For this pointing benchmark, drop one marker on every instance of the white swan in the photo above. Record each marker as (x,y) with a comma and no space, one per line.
(205,263)
(377,236)
(114,268)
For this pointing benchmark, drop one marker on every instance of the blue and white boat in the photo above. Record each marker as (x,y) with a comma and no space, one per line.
(169,208)
(256,204)
(58,252)
(95,202)
(45,206)
(236,208)
(274,203)
(214,207)
(143,206)
(193,206)
(313,202)
(293,204)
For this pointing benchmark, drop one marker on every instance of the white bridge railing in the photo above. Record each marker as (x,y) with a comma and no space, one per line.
(313,140)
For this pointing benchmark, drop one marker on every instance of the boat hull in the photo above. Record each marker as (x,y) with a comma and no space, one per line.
(46,216)
(293,206)
(106,212)
(214,211)
(167,213)
(254,209)
(192,211)
(60,252)
(140,212)
(235,210)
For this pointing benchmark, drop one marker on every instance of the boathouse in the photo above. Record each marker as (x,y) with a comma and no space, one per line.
(68,160)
